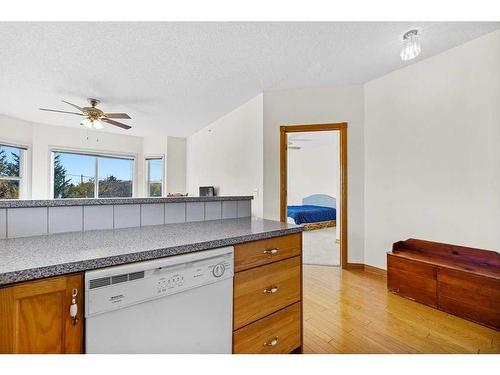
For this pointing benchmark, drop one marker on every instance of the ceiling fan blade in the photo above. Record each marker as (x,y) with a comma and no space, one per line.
(73,105)
(116,123)
(55,110)
(116,115)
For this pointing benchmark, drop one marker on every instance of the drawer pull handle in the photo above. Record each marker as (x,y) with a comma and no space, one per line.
(271,290)
(271,251)
(272,342)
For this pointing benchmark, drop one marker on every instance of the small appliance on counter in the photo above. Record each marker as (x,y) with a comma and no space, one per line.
(207,191)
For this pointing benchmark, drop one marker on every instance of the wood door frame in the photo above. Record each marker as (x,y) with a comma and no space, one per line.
(341,127)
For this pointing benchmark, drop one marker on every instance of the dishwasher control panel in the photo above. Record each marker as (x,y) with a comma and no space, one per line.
(121,286)
(174,279)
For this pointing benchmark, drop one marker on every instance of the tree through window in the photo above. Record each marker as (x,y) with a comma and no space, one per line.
(10,171)
(90,176)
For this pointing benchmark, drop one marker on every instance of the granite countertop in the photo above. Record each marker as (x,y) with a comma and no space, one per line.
(37,257)
(22,203)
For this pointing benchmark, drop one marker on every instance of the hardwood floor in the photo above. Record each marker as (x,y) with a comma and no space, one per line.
(350,311)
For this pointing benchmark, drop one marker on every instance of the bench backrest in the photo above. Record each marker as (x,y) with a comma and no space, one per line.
(448,251)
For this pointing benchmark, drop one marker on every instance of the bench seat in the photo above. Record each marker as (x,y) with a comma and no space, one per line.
(459,280)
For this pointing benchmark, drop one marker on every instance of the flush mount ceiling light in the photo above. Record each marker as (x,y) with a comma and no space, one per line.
(411,48)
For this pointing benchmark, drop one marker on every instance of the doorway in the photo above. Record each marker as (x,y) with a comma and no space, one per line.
(320,218)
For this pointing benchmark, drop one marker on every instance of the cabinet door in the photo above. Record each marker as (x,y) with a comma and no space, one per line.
(35,316)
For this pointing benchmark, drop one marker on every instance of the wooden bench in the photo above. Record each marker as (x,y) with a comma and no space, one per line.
(459,280)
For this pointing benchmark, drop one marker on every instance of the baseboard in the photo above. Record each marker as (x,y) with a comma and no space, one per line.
(366,267)
(354,266)
(375,270)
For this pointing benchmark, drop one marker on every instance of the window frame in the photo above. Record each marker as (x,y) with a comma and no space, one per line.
(96,155)
(147,174)
(22,178)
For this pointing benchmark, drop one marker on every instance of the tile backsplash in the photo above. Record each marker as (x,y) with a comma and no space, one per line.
(32,221)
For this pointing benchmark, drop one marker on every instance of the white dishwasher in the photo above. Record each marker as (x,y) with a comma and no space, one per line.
(178,304)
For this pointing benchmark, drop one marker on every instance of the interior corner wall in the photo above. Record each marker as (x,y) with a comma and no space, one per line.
(432,151)
(228,154)
(316,106)
(176,165)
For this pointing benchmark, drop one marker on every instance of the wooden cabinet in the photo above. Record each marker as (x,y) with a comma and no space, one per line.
(35,316)
(267,314)
(278,333)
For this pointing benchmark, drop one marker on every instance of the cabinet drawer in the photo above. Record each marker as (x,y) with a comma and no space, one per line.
(263,290)
(257,253)
(275,334)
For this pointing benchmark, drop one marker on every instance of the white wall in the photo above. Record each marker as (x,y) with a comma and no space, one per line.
(173,150)
(176,165)
(313,169)
(432,156)
(316,106)
(228,154)
(42,138)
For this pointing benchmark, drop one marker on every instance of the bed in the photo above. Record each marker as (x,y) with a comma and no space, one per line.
(317,208)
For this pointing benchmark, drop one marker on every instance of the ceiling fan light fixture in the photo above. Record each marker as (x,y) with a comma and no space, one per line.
(411,47)
(97,124)
(94,118)
(87,123)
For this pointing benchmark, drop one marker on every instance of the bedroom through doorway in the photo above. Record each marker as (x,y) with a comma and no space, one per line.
(313,189)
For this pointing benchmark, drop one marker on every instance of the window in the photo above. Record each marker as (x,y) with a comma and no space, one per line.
(89,176)
(11,171)
(155,176)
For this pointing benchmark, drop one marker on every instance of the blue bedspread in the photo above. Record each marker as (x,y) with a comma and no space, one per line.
(311,214)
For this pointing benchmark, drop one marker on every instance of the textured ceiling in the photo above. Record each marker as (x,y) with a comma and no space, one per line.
(175,78)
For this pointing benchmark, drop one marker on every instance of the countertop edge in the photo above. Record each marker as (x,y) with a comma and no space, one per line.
(28,203)
(31,274)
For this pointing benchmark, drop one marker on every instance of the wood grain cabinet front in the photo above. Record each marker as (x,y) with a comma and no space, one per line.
(267,314)
(263,290)
(414,280)
(470,296)
(35,316)
(278,333)
(258,253)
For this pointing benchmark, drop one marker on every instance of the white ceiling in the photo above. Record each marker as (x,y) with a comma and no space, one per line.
(175,78)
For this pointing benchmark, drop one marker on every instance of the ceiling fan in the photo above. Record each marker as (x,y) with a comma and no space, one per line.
(94,117)
(291,145)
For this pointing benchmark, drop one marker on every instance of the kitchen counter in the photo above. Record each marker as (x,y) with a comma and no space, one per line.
(27,203)
(30,258)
